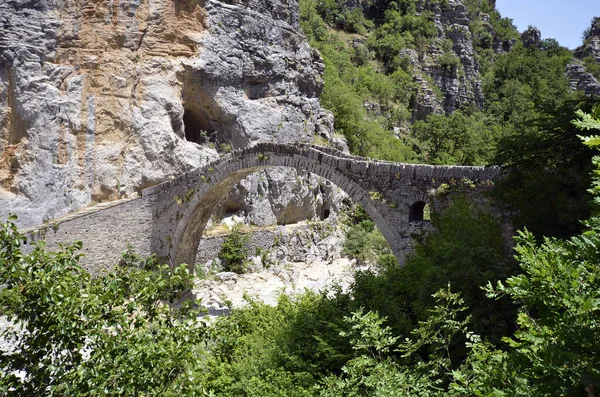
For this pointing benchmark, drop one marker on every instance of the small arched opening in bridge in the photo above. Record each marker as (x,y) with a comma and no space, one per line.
(216,180)
(419,212)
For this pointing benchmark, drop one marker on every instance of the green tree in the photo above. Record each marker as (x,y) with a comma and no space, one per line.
(467,250)
(460,138)
(546,173)
(76,334)
(556,345)
(234,253)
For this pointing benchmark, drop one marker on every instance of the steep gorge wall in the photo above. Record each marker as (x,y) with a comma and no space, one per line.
(459,84)
(101,99)
(579,77)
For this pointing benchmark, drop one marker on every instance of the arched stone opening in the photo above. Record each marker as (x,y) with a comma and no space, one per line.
(207,197)
(201,208)
(419,212)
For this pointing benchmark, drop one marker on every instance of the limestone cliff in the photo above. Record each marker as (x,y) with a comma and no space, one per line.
(579,77)
(449,63)
(101,99)
(591,45)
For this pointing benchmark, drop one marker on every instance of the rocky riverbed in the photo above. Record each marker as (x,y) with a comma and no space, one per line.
(225,290)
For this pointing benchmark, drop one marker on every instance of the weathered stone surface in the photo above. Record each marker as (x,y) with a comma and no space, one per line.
(580,79)
(531,37)
(99,100)
(87,95)
(260,76)
(281,196)
(591,46)
(301,242)
(459,84)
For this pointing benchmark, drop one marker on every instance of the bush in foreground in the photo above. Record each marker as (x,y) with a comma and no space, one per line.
(77,334)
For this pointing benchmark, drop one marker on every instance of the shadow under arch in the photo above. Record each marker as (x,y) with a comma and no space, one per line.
(217,179)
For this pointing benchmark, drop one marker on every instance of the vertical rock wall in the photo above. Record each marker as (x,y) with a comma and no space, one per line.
(99,99)
(459,84)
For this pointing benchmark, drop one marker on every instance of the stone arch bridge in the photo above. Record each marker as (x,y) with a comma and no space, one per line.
(169,219)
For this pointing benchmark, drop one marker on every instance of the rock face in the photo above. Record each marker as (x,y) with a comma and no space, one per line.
(579,78)
(302,242)
(257,79)
(101,99)
(281,197)
(591,46)
(448,66)
(531,37)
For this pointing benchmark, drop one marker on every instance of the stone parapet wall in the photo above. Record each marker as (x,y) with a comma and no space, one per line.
(105,232)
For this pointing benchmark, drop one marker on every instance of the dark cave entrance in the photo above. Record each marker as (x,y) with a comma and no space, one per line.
(196,126)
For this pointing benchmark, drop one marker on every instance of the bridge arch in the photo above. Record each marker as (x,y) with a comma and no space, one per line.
(182,207)
(217,179)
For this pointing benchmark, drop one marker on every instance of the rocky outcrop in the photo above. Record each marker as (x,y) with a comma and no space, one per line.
(87,98)
(101,99)
(221,292)
(301,242)
(581,80)
(272,198)
(257,79)
(449,63)
(532,37)
(591,45)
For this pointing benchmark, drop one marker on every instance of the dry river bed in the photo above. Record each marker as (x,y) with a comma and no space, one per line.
(225,290)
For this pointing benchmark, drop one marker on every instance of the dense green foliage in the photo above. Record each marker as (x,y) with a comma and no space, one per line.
(364,242)
(111,334)
(592,66)
(79,335)
(427,328)
(370,78)
(459,138)
(467,250)
(351,78)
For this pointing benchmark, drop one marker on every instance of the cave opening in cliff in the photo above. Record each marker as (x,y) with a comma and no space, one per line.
(204,120)
(196,126)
